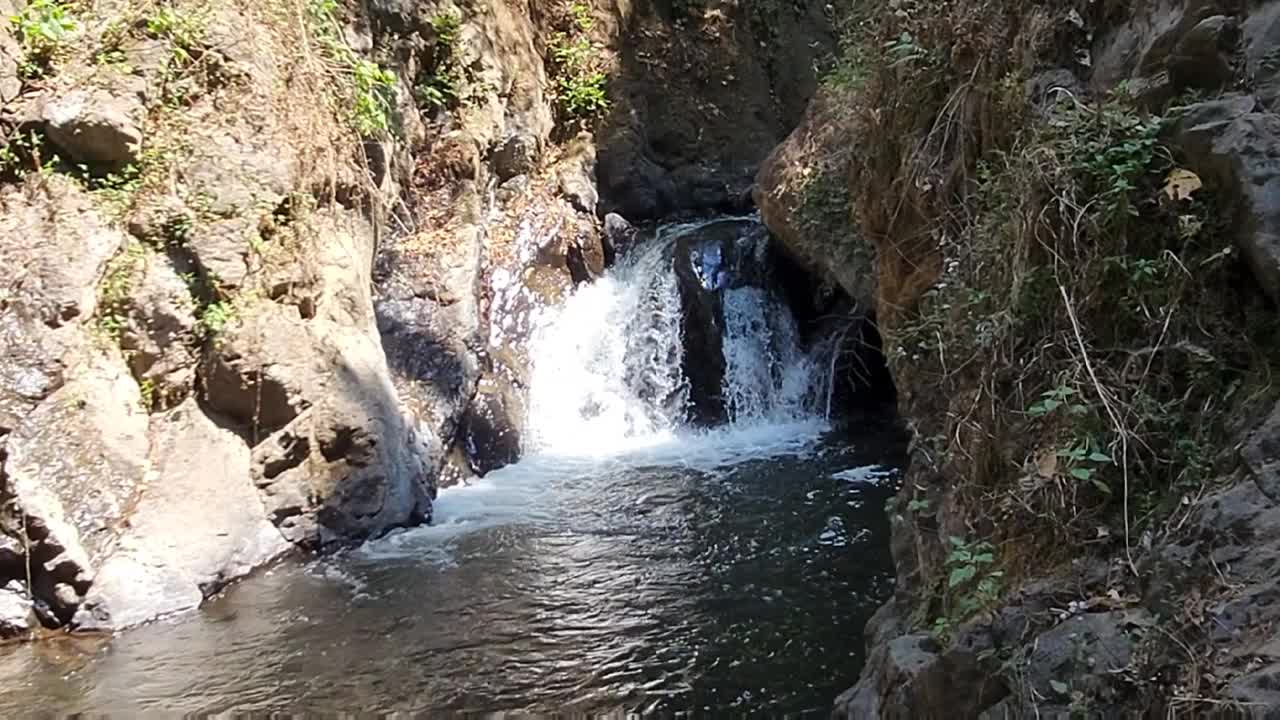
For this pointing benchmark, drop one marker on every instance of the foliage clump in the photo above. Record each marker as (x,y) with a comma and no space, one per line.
(44,28)
(368,88)
(581,86)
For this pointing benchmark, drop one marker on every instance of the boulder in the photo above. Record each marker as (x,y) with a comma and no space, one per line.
(75,468)
(10,54)
(1261,30)
(619,237)
(260,369)
(429,318)
(576,175)
(236,177)
(160,333)
(912,676)
(1201,58)
(803,195)
(347,463)
(1238,151)
(15,611)
(96,127)
(198,525)
(54,281)
(492,425)
(709,260)
(518,155)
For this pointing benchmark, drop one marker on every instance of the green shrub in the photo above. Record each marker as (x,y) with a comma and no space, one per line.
(369,88)
(580,84)
(43,29)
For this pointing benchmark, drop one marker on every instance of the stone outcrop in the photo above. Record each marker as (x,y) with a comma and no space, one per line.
(198,524)
(1199,594)
(803,195)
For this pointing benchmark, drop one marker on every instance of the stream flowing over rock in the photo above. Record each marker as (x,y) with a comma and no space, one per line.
(243,330)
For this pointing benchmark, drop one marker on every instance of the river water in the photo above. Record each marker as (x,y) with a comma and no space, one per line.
(629,563)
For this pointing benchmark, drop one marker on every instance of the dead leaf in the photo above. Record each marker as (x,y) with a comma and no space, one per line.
(1047,464)
(1181,184)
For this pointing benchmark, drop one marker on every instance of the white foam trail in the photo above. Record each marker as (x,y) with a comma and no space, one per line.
(606,393)
(606,369)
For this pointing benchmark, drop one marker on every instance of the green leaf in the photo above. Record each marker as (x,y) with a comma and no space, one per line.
(1081,473)
(983,559)
(1059,687)
(961,575)
(1100,457)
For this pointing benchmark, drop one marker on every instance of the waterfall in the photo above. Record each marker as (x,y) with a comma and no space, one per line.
(606,366)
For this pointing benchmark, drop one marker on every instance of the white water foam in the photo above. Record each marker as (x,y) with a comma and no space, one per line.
(607,393)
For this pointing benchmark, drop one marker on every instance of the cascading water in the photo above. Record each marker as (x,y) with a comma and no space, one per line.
(607,370)
(631,562)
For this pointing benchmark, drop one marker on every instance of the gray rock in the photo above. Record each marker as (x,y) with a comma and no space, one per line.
(518,155)
(258,370)
(1202,57)
(198,525)
(820,235)
(348,463)
(576,175)
(910,676)
(492,425)
(10,52)
(15,611)
(1240,154)
(708,261)
(159,333)
(76,466)
(96,127)
(1262,51)
(619,237)
(54,281)
(1260,689)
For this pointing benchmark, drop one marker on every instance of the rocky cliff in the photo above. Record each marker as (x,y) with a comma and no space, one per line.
(269,270)
(1060,215)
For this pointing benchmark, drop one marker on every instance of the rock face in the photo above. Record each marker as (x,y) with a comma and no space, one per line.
(803,197)
(167,561)
(702,92)
(1235,146)
(240,313)
(1197,602)
(708,261)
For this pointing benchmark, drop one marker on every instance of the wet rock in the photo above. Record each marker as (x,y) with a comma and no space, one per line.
(76,465)
(15,611)
(517,156)
(709,260)
(429,319)
(1202,58)
(619,237)
(96,127)
(166,563)
(349,463)
(492,425)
